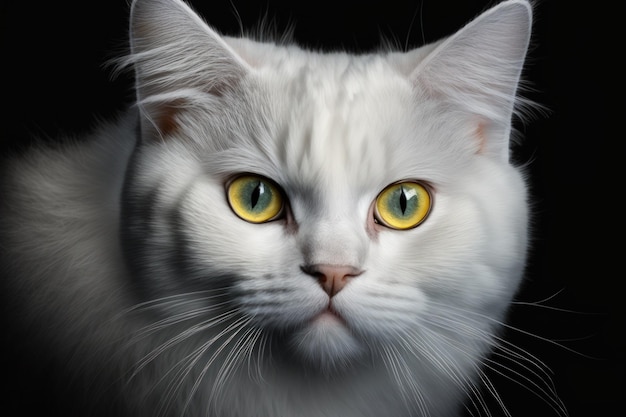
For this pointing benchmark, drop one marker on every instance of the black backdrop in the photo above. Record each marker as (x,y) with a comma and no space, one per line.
(54,82)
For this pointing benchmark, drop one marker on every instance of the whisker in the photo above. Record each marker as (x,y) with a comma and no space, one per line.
(186,365)
(449,367)
(255,337)
(181,336)
(261,356)
(551,308)
(175,299)
(235,327)
(236,356)
(545,300)
(184,368)
(549,396)
(466,313)
(177,319)
(394,362)
(549,389)
(538,377)
(494,393)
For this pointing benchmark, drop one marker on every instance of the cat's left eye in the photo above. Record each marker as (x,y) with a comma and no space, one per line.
(403,205)
(255,198)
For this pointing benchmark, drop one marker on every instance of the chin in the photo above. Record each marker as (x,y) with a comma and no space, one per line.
(327,345)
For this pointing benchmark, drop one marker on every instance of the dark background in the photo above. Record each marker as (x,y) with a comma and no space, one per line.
(54,81)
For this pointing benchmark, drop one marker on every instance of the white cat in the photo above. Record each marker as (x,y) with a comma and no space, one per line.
(275,232)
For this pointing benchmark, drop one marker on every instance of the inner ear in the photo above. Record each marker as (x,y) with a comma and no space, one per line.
(165,117)
(180,63)
(480,135)
(477,71)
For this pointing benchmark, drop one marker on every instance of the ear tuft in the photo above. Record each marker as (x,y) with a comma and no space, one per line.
(477,70)
(178,60)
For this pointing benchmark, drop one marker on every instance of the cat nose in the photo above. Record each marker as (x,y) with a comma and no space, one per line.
(332,278)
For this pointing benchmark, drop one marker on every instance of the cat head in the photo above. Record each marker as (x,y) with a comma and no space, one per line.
(346,202)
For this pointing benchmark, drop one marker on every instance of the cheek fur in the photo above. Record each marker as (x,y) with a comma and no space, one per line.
(262,260)
(234,244)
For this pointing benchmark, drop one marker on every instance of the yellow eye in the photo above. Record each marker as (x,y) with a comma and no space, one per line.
(255,199)
(402,205)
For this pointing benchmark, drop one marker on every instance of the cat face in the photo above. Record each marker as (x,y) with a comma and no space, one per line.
(341,205)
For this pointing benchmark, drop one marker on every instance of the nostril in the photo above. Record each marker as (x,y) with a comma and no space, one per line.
(311,270)
(332,278)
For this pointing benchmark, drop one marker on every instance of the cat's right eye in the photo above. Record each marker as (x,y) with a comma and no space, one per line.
(255,199)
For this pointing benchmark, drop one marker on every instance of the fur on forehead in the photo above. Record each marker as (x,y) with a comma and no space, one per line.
(333,119)
(342,117)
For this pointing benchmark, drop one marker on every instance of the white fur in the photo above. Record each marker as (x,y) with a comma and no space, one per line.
(229,329)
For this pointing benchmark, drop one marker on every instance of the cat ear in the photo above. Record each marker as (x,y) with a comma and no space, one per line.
(177,59)
(477,70)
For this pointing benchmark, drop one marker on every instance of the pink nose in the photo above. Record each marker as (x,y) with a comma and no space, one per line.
(332,278)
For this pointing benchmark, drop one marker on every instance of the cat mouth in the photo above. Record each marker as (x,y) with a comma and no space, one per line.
(329,315)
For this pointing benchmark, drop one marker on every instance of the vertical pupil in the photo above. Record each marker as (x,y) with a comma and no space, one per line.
(256,193)
(402,200)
